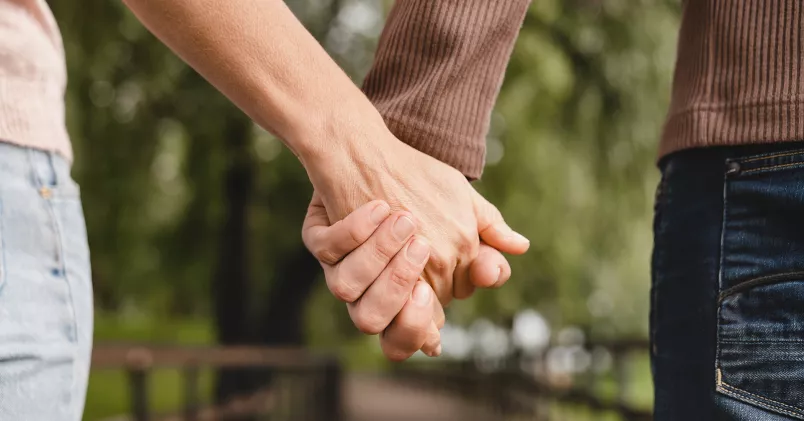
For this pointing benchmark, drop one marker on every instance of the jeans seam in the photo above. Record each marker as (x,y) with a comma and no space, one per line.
(773,342)
(761,281)
(3,267)
(657,212)
(63,269)
(772,167)
(720,274)
(59,234)
(771,156)
(724,387)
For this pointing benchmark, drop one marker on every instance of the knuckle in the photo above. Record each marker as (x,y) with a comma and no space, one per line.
(468,243)
(356,236)
(440,320)
(343,291)
(414,329)
(383,253)
(326,255)
(402,277)
(394,353)
(368,322)
(396,356)
(492,213)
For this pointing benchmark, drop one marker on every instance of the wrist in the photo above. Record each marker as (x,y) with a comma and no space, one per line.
(353,145)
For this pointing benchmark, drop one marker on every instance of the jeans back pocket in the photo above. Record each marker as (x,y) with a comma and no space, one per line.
(760,333)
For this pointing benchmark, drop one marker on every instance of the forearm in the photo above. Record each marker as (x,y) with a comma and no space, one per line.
(261,57)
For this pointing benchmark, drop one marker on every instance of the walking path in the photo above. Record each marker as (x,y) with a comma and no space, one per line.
(371,397)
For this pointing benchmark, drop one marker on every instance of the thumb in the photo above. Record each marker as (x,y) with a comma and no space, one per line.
(494,231)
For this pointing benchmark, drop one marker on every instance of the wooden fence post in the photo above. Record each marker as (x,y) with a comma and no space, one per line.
(332,393)
(190,392)
(138,362)
(138,381)
(621,375)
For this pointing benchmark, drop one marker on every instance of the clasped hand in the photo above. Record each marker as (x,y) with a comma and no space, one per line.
(396,261)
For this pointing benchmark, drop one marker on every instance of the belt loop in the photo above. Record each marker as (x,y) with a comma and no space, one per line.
(35,179)
(43,173)
(54,172)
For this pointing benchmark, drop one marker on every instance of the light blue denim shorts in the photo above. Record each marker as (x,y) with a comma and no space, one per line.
(45,289)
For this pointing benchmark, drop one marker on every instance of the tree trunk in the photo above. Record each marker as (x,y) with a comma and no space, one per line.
(283,318)
(230,285)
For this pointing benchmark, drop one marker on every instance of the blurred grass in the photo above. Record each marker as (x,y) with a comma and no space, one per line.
(108,392)
(638,391)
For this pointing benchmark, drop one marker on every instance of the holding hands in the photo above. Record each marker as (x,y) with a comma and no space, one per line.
(396,268)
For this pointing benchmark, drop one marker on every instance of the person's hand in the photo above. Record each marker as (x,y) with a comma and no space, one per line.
(451,215)
(362,237)
(382,263)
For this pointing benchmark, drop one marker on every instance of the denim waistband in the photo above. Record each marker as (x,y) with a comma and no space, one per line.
(22,167)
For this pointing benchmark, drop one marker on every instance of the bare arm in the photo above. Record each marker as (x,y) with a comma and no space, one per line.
(260,56)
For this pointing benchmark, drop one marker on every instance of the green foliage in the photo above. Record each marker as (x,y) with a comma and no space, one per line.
(571,160)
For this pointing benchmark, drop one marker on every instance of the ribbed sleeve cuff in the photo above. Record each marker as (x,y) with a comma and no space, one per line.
(464,154)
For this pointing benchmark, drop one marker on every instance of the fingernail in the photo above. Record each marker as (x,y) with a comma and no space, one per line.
(499,273)
(509,234)
(379,213)
(520,238)
(437,351)
(403,228)
(421,295)
(418,251)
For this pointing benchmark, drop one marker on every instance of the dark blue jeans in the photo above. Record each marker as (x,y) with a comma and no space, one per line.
(727,310)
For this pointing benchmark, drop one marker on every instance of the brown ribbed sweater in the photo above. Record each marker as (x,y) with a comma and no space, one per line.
(437,72)
(738,76)
(737,80)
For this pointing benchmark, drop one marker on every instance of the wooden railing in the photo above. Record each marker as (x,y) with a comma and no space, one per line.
(315,395)
(315,392)
(512,393)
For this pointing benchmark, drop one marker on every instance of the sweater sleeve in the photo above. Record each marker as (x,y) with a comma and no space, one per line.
(437,73)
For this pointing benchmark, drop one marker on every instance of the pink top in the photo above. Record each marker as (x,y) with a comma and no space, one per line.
(33,77)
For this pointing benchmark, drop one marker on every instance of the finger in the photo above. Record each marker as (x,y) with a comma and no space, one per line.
(432,346)
(361,267)
(494,231)
(329,244)
(439,318)
(386,296)
(440,273)
(316,214)
(462,288)
(408,332)
(490,269)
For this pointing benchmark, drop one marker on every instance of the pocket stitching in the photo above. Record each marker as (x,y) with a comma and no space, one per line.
(776,278)
(724,387)
(776,341)
(771,167)
(771,155)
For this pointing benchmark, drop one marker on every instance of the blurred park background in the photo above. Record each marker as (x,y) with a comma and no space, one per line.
(194,213)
